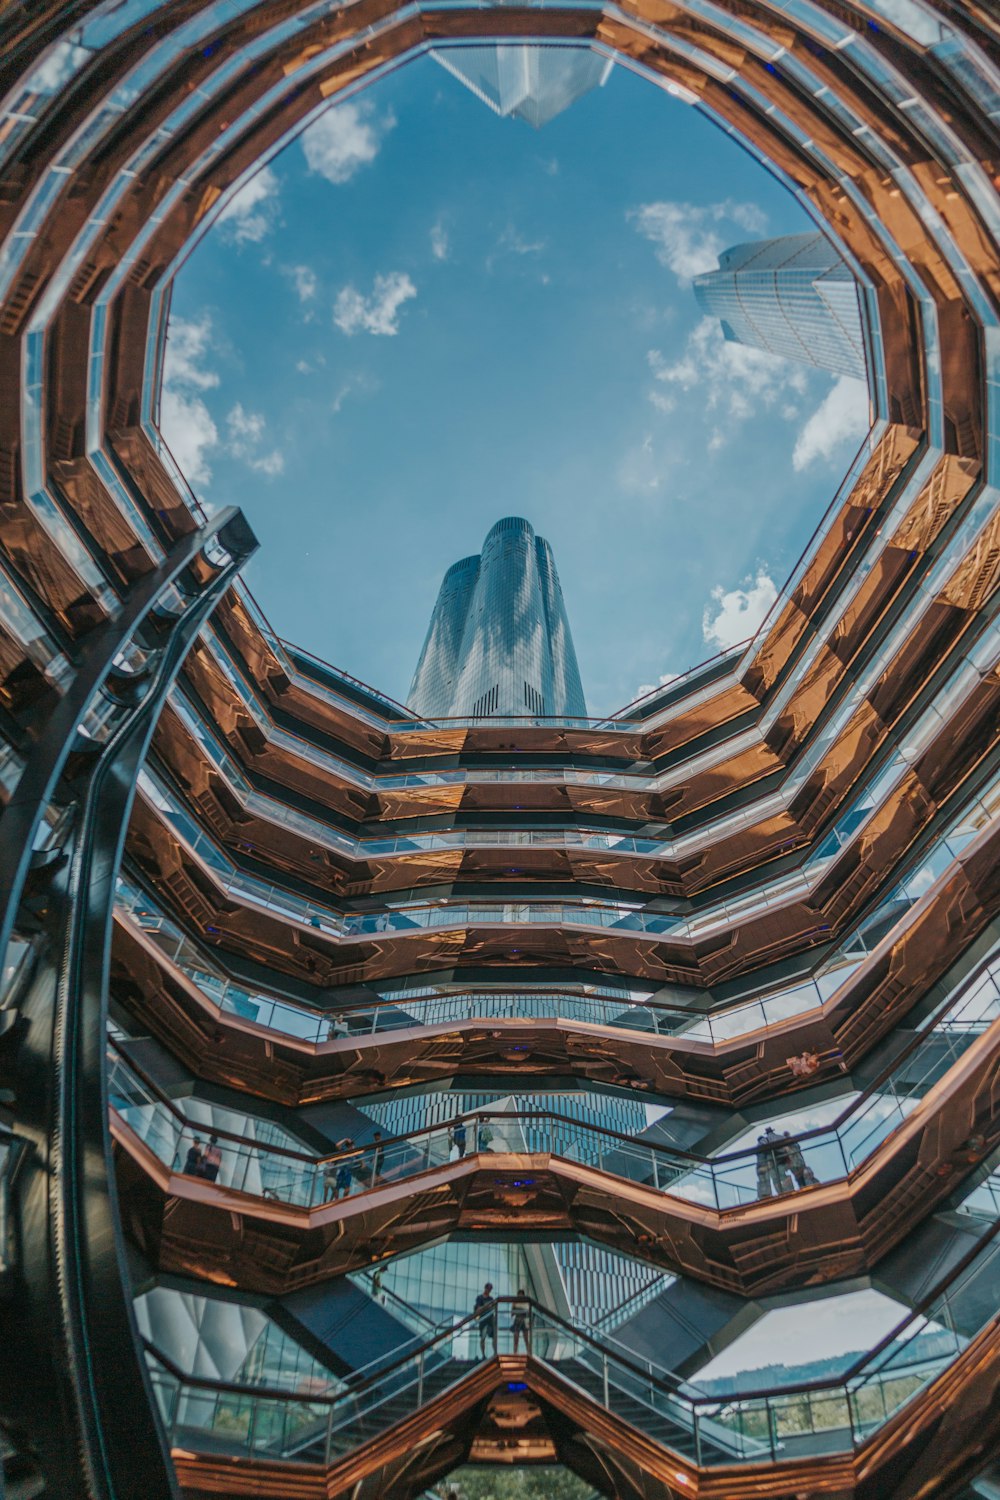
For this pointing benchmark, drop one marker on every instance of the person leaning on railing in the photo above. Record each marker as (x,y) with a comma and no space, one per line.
(338,1175)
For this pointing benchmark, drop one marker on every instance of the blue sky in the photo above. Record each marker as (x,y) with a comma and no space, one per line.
(421,317)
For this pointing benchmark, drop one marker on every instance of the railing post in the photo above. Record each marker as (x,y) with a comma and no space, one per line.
(604,1373)
(175,1406)
(252,1426)
(420,1378)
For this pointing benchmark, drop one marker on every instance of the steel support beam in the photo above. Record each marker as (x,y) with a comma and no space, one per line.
(72,1379)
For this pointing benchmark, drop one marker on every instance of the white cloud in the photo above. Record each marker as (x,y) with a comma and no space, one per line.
(246,435)
(841,416)
(252,213)
(344,140)
(736,379)
(310,366)
(650,687)
(190,434)
(440,248)
(513,240)
(271,464)
(245,427)
(377,314)
(689,237)
(640,471)
(359,384)
(65,59)
(305,282)
(737,613)
(186,422)
(662,401)
(188,342)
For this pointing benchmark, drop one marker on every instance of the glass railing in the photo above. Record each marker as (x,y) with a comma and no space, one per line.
(13,1148)
(246,1421)
(710,1429)
(964,680)
(778,1163)
(622,916)
(983,1202)
(773,1009)
(60,63)
(271,810)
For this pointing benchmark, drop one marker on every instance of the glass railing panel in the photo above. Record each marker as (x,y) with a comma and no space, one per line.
(626,916)
(771,1009)
(733,1431)
(910,1364)
(143,1111)
(829,1420)
(780,1162)
(16,962)
(871,1126)
(776,1167)
(829,1416)
(983,1202)
(799,1420)
(245,1425)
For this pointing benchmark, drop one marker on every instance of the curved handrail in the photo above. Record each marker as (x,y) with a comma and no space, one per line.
(667,1382)
(200,970)
(472,1119)
(774,1152)
(624,918)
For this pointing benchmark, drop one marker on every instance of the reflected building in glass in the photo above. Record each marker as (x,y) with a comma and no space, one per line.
(576,1278)
(499,642)
(531,83)
(793,296)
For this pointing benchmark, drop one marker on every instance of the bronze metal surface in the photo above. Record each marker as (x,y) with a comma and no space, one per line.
(805,1238)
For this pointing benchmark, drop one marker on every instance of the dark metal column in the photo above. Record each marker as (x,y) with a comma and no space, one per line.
(72,1379)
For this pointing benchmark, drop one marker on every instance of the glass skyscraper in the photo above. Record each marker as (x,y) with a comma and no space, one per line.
(499,641)
(581,1280)
(792,296)
(529,83)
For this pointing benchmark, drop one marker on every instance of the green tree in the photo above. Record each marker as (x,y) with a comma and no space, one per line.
(543,1483)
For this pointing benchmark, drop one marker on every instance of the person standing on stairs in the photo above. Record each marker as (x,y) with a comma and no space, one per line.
(485,1309)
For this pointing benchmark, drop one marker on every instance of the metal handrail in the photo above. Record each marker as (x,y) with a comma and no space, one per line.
(663,1150)
(665,1381)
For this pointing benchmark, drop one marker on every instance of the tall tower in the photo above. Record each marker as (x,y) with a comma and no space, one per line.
(793,296)
(532,83)
(499,641)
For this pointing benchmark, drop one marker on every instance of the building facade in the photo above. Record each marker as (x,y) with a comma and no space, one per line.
(523,82)
(499,642)
(792,296)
